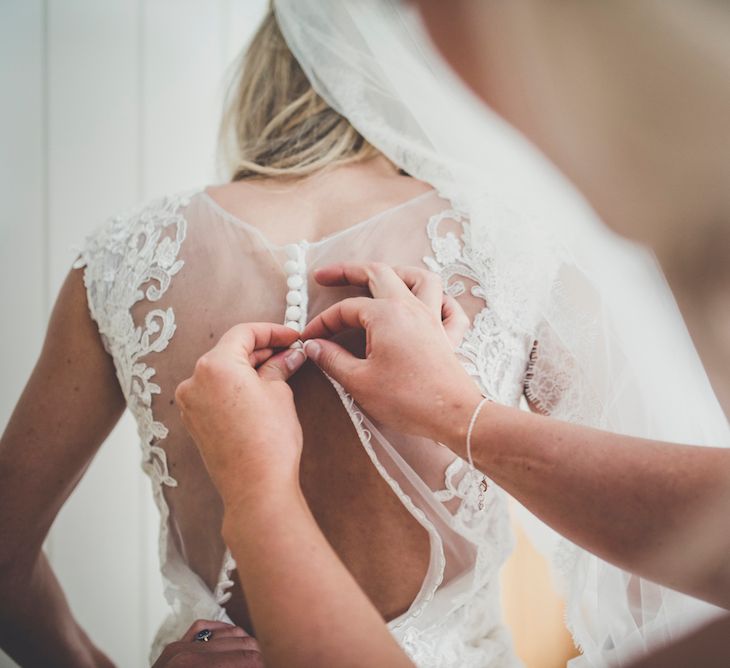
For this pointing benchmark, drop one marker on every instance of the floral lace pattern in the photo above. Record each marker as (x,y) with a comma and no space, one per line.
(129,253)
(554,382)
(493,353)
(130,258)
(470,514)
(222,591)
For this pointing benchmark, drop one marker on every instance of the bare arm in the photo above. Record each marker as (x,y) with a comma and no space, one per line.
(68,407)
(631,501)
(650,507)
(307,607)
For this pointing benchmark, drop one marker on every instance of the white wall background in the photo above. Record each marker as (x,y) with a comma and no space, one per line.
(104,104)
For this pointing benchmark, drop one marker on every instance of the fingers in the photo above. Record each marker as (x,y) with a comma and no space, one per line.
(424,284)
(258,357)
(350,313)
(231,632)
(455,321)
(201,624)
(334,360)
(282,365)
(244,339)
(378,277)
(245,659)
(228,652)
(241,659)
(229,644)
(181,392)
(382,280)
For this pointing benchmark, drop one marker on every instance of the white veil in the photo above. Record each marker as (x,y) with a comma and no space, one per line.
(612,350)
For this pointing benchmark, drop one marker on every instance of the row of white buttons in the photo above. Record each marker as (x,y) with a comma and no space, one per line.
(296,298)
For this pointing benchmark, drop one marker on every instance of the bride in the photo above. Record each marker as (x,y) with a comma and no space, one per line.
(162,284)
(422,533)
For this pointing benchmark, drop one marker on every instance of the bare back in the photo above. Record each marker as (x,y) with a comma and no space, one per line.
(377,538)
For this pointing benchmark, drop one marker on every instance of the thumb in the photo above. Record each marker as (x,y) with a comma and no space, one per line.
(282,365)
(333,359)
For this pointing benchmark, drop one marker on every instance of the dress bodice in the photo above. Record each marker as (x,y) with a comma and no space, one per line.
(165,281)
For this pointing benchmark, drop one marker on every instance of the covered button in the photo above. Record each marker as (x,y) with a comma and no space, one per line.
(295,282)
(294,298)
(291,267)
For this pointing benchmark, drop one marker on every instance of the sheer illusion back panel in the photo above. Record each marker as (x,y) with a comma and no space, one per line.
(232,274)
(421,532)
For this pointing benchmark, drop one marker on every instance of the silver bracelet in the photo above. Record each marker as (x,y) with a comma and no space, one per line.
(472,422)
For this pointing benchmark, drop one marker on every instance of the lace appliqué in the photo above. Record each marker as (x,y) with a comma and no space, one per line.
(125,255)
(510,352)
(130,258)
(474,492)
(222,592)
(492,352)
(554,382)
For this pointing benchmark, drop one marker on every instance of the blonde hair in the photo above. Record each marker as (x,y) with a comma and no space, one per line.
(274,123)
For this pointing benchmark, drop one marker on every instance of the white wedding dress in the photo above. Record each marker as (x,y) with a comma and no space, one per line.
(165,281)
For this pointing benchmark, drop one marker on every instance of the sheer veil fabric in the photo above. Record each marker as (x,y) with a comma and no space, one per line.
(610,347)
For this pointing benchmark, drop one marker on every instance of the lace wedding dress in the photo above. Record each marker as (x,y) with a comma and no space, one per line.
(165,281)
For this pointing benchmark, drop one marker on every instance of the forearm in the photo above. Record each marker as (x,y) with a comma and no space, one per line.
(631,501)
(36,624)
(68,407)
(306,607)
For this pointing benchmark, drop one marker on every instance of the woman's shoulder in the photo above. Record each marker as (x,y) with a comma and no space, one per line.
(138,230)
(133,255)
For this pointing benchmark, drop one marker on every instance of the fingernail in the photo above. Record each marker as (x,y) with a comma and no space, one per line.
(312,348)
(295,359)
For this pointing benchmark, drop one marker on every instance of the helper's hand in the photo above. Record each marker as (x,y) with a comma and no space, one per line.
(227,647)
(410,378)
(240,411)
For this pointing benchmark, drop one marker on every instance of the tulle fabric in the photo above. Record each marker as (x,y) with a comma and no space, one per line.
(612,350)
